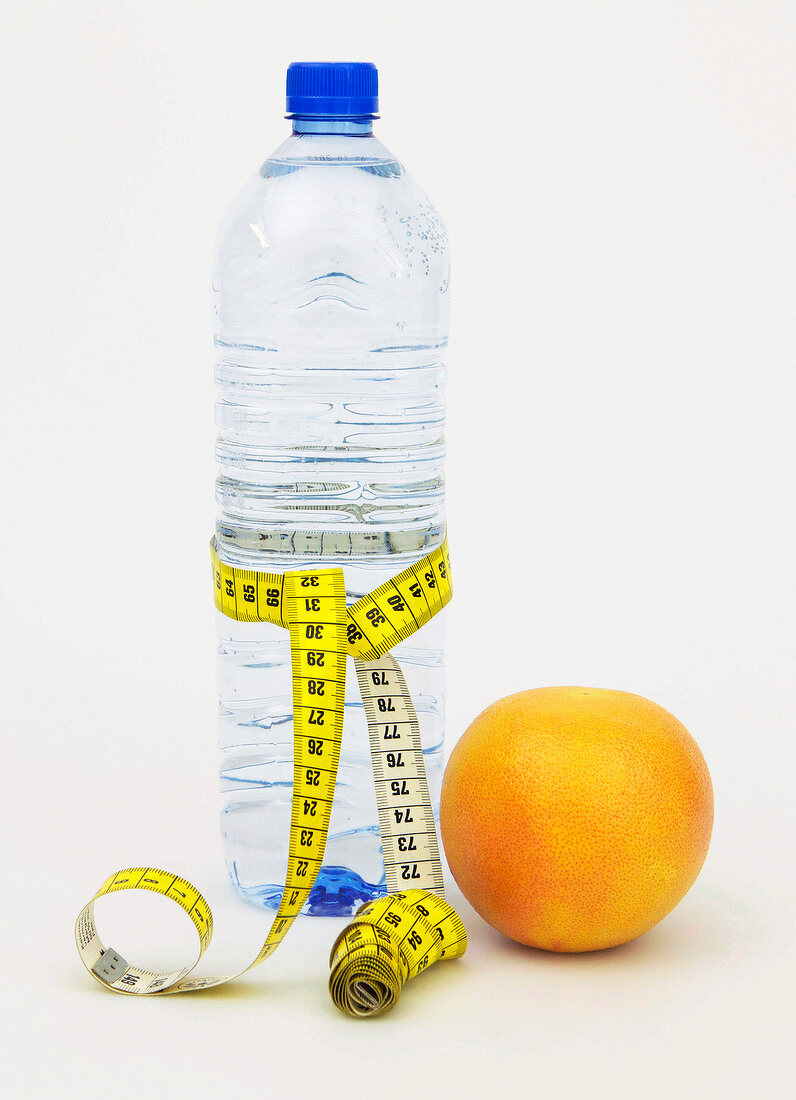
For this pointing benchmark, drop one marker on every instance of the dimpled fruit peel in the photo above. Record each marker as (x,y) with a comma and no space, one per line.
(575,819)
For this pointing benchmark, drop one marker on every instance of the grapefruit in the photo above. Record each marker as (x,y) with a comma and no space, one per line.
(575,819)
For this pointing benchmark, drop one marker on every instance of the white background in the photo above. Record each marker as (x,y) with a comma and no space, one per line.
(618,181)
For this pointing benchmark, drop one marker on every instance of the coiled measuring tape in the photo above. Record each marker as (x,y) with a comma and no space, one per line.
(392,939)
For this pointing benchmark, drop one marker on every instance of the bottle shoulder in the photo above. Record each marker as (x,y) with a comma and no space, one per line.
(355,183)
(336,248)
(363,208)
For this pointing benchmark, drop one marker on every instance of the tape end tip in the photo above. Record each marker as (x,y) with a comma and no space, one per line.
(110,966)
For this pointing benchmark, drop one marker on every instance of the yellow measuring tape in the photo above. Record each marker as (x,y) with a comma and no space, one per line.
(390,940)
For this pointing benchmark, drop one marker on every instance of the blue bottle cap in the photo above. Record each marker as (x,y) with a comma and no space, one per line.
(337,89)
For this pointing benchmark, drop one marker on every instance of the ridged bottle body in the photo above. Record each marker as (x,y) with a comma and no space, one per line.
(331,308)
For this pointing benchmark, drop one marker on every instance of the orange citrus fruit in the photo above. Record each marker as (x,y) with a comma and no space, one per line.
(575,818)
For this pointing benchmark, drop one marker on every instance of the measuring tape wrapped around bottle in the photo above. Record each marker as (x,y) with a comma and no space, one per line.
(392,939)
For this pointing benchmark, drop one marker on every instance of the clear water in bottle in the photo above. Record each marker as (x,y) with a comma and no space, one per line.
(331,300)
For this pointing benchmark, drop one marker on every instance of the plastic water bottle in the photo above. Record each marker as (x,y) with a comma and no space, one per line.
(331,317)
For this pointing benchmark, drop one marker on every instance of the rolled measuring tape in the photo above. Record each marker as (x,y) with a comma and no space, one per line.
(392,939)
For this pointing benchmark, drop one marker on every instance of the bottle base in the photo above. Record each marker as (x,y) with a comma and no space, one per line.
(338,892)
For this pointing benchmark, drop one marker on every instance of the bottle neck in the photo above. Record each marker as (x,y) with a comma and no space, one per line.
(352,127)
